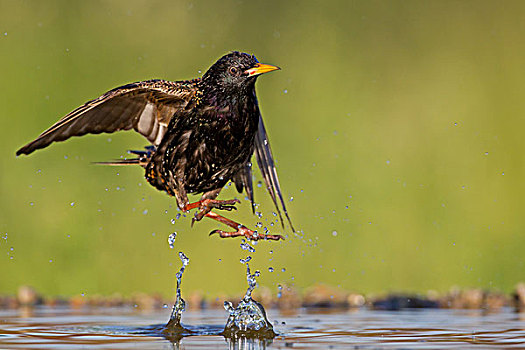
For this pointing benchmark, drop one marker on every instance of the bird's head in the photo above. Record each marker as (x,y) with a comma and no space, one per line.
(235,71)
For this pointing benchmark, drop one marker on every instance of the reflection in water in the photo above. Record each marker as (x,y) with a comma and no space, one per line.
(52,328)
(244,343)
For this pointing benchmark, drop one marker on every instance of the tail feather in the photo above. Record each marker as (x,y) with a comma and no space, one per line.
(117,162)
(142,159)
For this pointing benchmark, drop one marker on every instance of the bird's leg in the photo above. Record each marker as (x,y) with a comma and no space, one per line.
(241,229)
(206,205)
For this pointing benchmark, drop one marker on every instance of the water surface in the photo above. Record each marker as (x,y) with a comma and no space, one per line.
(128,328)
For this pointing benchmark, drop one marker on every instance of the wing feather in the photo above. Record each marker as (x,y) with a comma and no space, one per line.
(243,180)
(145,106)
(263,154)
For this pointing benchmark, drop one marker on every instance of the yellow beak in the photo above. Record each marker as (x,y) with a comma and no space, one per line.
(261,68)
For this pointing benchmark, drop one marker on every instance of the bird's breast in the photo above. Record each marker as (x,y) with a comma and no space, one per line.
(209,146)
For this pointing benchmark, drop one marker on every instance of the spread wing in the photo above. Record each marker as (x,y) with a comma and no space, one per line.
(263,154)
(145,106)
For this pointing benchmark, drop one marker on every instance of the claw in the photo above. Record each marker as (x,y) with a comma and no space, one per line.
(206,205)
(225,207)
(215,231)
(246,232)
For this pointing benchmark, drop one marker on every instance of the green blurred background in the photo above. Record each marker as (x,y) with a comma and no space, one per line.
(397,128)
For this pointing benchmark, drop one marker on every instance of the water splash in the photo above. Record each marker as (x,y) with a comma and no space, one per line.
(174,326)
(248,319)
(252,282)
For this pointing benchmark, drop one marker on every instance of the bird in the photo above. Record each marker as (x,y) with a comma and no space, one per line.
(203,134)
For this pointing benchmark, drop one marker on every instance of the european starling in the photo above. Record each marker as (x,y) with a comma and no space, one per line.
(203,134)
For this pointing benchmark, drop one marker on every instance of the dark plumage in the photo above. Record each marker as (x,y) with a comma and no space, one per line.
(203,134)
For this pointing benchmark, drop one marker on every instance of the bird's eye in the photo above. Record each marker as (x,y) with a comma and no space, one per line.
(234,71)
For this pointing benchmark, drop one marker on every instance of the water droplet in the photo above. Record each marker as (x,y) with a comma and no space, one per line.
(270,269)
(185,260)
(246,260)
(285,91)
(247,246)
(171,239)
(334,233)
(283,269)
(72,204)
(145,211)
(486,153)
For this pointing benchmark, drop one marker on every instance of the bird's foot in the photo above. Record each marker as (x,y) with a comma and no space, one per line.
(206,205)
(246,232)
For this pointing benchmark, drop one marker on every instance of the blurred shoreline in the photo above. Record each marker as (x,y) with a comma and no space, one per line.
(319,296)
